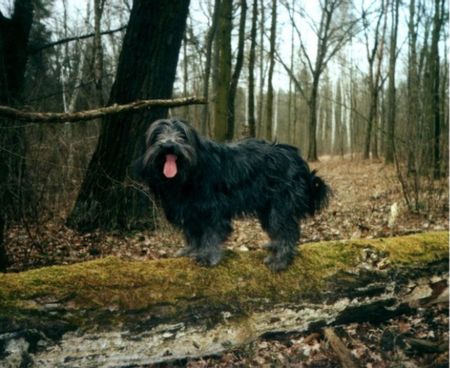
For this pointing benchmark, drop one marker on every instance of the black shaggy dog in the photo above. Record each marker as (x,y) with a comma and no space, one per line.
(203,185)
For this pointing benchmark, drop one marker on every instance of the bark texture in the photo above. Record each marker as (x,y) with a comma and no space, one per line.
(222,75)
(114,313)
(15,191)
(146,70)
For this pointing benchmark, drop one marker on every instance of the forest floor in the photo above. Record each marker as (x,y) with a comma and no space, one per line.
(365,194)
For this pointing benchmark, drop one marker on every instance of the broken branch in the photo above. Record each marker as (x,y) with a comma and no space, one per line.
(63,117)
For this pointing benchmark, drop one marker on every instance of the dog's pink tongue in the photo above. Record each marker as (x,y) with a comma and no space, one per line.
(170,166)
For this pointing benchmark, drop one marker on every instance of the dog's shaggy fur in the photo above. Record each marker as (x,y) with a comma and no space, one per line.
(203,185)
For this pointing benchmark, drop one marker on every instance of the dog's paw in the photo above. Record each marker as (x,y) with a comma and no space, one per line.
(270,247)
(277,264)
(185,252)
(208,259)
(281,255)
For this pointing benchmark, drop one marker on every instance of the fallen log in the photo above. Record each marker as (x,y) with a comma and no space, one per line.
(114,313)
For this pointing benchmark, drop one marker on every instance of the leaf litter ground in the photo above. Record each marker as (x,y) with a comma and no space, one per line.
(365,194)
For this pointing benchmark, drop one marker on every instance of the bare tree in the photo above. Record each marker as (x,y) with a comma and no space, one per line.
(434,72)
(223,70)
(413,88)
(391,94)
(269,103)
(340,131)
(374,57)
(209,43)
(251,72)
(98,51)
(292,95)
(236,73)
(260,105)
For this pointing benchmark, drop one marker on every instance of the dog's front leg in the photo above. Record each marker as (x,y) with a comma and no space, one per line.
(205,246)
(209,252)
(191,245)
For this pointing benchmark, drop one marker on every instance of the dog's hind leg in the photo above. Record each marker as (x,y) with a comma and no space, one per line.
(283,229)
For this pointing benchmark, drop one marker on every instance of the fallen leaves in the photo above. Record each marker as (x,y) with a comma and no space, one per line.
(364,193)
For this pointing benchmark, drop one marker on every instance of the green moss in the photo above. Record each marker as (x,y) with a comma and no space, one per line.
(415,249)
(111,283)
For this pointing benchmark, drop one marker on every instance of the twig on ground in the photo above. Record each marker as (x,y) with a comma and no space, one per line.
(343,354)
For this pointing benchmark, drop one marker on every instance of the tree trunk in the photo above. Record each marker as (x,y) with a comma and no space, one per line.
(115,313)
(312,104)
(185,73)
(374,58)
(4,261)
(376,128)
(291,98)
(236,73)
(146,70)
(15,190)
(324,145)
(392,104)
(251,72)
(370,123)
(223,76)
(413,92)
(14,34)
(434,73)
(269,106)
(98,51)
(339,123)
(209,43)
(259,128)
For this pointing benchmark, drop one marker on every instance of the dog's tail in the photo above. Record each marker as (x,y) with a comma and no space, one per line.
(320,193)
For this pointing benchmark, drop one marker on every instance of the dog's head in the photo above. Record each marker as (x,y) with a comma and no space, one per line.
(171,149)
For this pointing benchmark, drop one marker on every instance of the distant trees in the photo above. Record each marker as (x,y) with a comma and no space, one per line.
(419,154)
(371,83)
(332,33)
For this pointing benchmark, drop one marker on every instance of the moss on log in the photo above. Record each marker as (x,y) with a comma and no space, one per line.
(112,312)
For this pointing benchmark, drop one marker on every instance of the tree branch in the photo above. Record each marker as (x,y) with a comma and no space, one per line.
(60,117)
(37,49)
(345,357)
